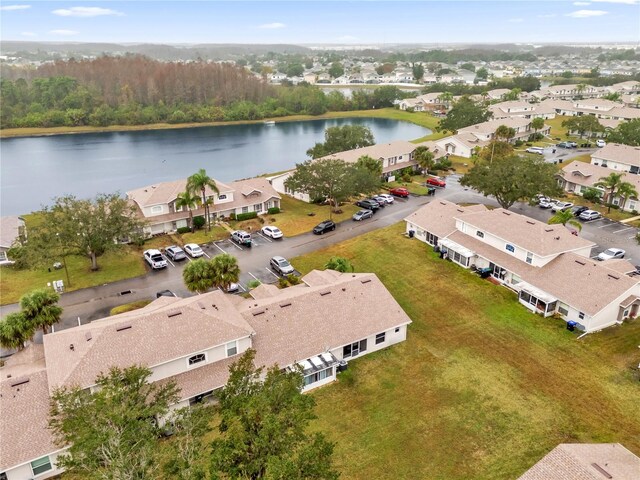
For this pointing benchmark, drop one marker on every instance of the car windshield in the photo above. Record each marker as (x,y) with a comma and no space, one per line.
(283,262)
(610,252)
(196,248)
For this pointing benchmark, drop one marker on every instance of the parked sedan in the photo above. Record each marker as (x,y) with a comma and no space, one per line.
(362,215)
(578,209)
(561,206)
(194,250)
(600,143)
(326,226)
(564,145)
(273,232)
(589,215)
(387,198)
(380,201)
(399,192)
(546,202)
(610,253)
(281,265)
(155,259)
(436,182)
(175,253)
(368,205)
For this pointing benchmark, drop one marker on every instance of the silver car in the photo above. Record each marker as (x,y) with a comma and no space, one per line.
(281,265)
(362,215)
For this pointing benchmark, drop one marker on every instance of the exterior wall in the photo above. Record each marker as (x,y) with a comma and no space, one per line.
(396,160)
(391,338)
(619,167)
(278,185)
(180,365)
(24,471)
(609,315)
(421,234)
(455,147)
(322,382)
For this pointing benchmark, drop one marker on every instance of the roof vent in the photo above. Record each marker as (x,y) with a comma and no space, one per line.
(548,230)
(530,222)
(20,381)
(327,292)
(365,281)
(71,347)
(174,313)
(579,262)
(557,238)
(88,336)
(459,210)
(126,326)
(283,305)
(506,213)
(258,312)
(201,305)
(613,276)
(601,470)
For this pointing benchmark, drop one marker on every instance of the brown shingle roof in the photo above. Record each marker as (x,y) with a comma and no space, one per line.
(525,232)
(587,174)
(618,153)
(573,461)
(166,192)
(381,150)
(437,217)
(205,321)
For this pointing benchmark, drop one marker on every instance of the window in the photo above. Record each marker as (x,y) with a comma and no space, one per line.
(245,209)
(562,310)
(232,348)
(200,357)
(41,465)
(316,377)
(581,316)
(156,209)
(529,257)
(480,234)
(510,248)
(257,207)
(3,256)
(354,349)
(202,398)
(625,314)
(222,197)
(397,330)
(380,338)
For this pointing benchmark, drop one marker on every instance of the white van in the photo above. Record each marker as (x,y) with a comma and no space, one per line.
(538,150)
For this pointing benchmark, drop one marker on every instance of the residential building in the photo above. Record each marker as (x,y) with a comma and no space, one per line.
(156,204)
(12,229)
(485,131)
(549,268)
(414,104)
(520,109)
(586,461)
(621,158)
(598,107)
(462,144)
(193,341)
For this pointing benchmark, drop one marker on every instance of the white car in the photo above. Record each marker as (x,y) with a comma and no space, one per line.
(387,198)
(610,253)
(194,250)
(273,232)
(600,143)
(589,215)
(561,206)
(155,259)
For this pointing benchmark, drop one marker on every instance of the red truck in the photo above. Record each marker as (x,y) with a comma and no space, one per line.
(399,192)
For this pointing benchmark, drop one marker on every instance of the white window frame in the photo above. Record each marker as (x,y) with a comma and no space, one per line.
(529,258)
(381,338)
(257,207)
(204,360)
(231,346)
(156,209)
(245,209)
(179,209)
(44,471)
(581,315)
(3,255)
(222,196)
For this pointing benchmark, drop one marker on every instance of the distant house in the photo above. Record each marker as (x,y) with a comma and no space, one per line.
(11,230)
(485,131)
(521,109)
(549,268)
(156,204)
(586,461)
(414,104)
(192,341)
(622,158)
(462,144)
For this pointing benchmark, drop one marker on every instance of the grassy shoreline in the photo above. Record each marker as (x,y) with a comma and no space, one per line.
(416,118)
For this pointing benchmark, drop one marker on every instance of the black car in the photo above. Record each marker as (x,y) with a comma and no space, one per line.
(578,209)
(165,293)
(380,202)
(326,226)
(368,205)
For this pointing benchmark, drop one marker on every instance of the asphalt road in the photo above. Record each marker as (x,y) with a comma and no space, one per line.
(89,304)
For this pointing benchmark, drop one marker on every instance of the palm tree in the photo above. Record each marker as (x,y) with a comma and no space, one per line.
(40,307)
(424,158)
(225,271)
(189,201)
(198,182)
(626,191)
(339,264)
(15,331)
(580,88)
(198,275)
(611,183)
(504,132)
(563,218)
(446,98)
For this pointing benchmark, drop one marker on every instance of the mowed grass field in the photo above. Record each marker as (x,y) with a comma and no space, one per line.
(482,388)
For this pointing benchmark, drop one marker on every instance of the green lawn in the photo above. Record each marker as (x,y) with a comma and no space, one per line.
(482,388)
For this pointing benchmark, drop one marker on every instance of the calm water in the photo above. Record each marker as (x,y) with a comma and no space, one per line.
(35,170)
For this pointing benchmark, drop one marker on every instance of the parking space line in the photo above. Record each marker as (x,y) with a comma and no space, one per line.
(243,289)
(629,238)
(254,277)
(237,246)
(216,245)
(206,254)
(168,261)
(606,225)
(624,229)
(267,239)
(269,270)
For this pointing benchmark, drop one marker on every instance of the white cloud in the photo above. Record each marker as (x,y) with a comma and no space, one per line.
(29,34)
(15,7)
(272,26)
(581,4)
(586,13)
(516,20)
(547,15)
(625,2)
(85,12)
(64,32)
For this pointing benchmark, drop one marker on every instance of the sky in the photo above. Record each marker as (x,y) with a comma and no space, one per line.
(326,22)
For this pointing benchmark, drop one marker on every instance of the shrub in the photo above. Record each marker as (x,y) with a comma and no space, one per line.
(592,195)
(253,284)
(273,210)
(183,230)
(518,143)
(127,307)
(246,216)
(232,216)
(293,279)
(406,178)
(611,205)
(283,282)
(634,212)
(198,222)
(261,220)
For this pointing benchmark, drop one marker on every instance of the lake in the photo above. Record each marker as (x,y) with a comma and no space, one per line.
(36,169)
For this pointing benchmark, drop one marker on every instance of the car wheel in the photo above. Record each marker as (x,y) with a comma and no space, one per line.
(333,228)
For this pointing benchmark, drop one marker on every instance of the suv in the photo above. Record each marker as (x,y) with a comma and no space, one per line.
(538,150)
(175,253)
(326,226)
(241,238)
(436,182)
(281,265)
(561,206)
(564,145)
(155,259)
(368,205)
(399,192)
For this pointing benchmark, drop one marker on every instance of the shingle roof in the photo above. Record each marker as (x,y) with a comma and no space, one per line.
(166,192)
(491,126)
(587,174)
(304,321)
(618,153)
(380,150)
(205,321)
(10,230)
(525,232)
(573,461)
(437,217)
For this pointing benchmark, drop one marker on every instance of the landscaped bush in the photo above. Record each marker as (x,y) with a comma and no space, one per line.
(611,205)
(253,284)
(518,143)
(293,279)
(273,210)
(246,216)
(283,282)
(406,178)
(198,222)
(183,230)
(592,195)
